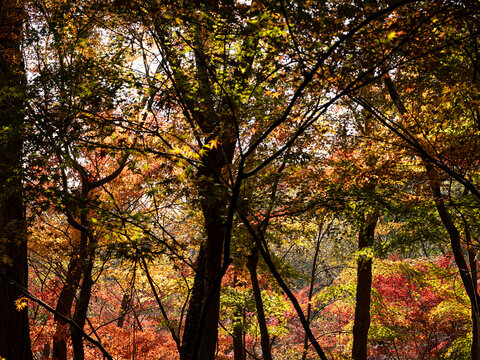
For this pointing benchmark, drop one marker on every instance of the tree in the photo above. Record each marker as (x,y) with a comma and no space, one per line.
(14,328)
(429,128)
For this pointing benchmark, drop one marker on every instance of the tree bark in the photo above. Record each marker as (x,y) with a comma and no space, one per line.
(472,259)
(238,346)
(81,264)
(81,308)
(238,333)
(46,351)
(64,306)
(14,327)
(199,340)
(65,302)
(124,306)
(257,295)
(361,322)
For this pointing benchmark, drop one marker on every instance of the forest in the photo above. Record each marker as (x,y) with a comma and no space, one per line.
(239,179)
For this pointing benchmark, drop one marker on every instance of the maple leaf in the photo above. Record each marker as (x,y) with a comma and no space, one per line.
(21,303)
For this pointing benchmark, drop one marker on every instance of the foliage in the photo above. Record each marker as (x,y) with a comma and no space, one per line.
(165,142)
(419,310)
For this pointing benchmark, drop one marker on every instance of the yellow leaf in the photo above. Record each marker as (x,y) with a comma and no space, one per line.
(392,35)
(214,143)
(21,303)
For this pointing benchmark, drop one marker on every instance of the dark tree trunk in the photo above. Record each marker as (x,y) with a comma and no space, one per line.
(64,304)
(124,306)
(238,325)
(14,328)
(199,340)
(361,322)
(201,324)
(81,308)
(475,346)
(238,346)
(467,275)
(81,265)
(257,295)
(200,333)
(215,123)
(46,352)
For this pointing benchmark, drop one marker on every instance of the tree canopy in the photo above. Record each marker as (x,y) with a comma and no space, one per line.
(239,179)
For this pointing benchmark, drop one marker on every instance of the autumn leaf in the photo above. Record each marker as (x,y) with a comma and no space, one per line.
(21,303)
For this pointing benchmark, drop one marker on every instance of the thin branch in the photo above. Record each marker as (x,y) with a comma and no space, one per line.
(160,305)
(261,245)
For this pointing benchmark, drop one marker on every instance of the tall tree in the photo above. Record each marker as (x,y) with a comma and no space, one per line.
(14,328)
(439,126)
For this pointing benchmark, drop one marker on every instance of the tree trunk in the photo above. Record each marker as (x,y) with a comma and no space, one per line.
(81,264)
(199,340)
(201,323)
(361,322)
(205,300)
(238,346)
(475,346)
(467,275)
(257,295)
(46,351)
(238,325)
(81,308)
(124,306)
(64,304)
(14,327)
